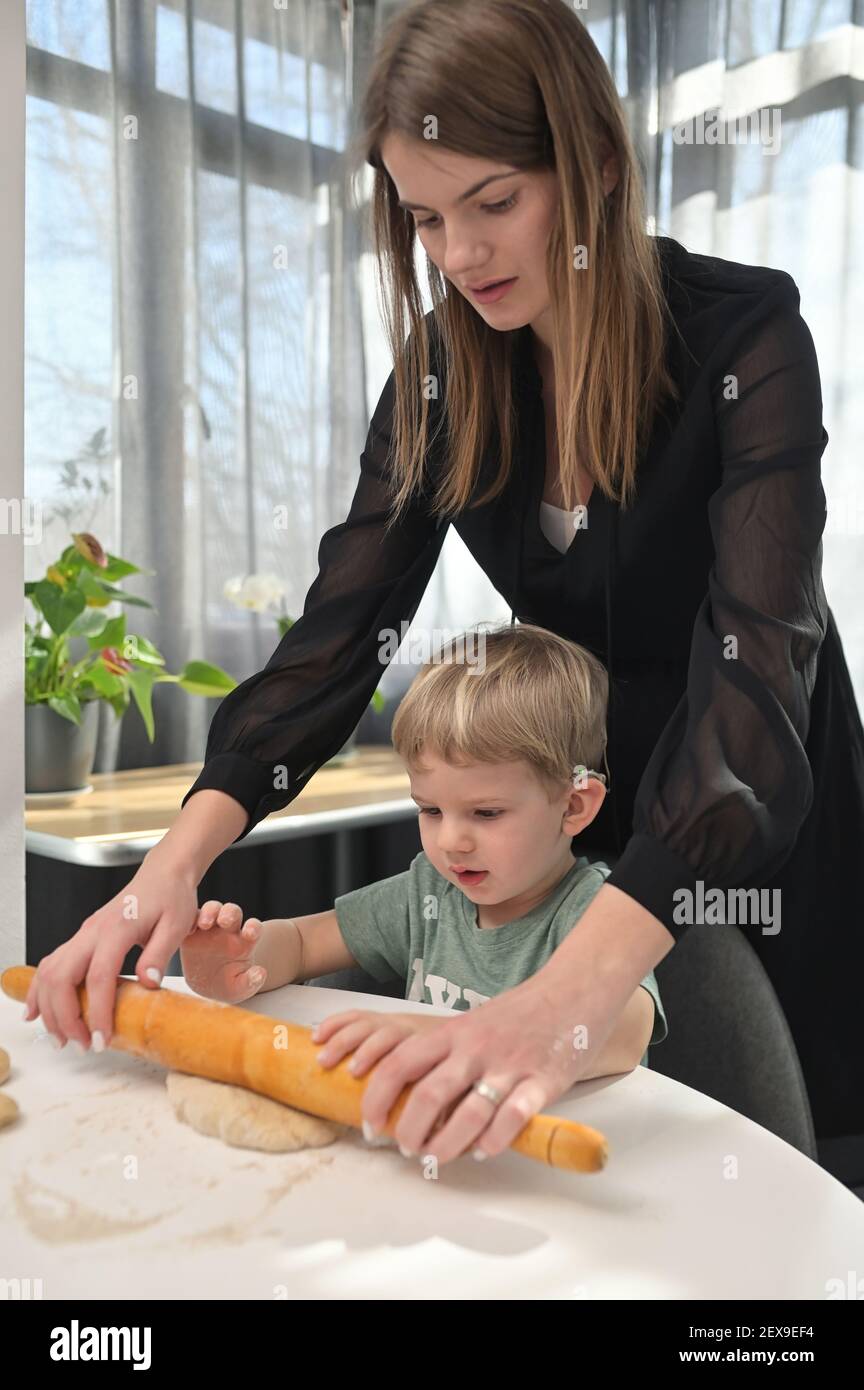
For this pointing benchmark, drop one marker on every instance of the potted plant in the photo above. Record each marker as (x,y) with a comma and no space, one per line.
(260,593)
(62,694)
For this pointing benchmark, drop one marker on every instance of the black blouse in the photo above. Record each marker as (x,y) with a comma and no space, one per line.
(704,599)
(735,745)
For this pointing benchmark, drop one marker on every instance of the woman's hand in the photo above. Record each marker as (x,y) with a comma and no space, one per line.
(532,1043)
(527,1042)
(155,910)
(218,955)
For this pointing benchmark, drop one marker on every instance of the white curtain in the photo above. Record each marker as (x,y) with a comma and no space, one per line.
(195,357)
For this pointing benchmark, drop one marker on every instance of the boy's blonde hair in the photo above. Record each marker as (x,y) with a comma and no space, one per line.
(531,696)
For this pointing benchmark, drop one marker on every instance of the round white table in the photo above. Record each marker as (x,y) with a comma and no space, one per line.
(107,1195)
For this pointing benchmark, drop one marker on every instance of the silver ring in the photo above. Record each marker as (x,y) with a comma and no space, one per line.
(484,1088)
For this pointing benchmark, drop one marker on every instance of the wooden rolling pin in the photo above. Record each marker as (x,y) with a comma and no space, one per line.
(279,1059)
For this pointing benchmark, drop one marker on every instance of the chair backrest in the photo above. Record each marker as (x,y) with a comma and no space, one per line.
(354,977)
(728,1036)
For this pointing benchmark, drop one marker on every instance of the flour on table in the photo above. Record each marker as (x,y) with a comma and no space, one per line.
(58,1218)
(244,1119)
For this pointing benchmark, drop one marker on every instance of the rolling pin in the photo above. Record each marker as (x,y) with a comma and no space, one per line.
(279,1060)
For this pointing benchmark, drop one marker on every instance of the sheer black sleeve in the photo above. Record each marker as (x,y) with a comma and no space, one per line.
(272,733)
(728,785)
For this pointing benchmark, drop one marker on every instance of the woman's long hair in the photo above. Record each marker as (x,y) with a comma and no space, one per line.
(519,82)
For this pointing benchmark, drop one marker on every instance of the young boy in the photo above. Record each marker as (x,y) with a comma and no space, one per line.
(496,754)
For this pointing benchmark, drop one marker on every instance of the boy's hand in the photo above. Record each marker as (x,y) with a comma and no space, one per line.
(217,955)
(368,1034)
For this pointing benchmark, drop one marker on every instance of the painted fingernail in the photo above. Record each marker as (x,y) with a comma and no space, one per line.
(26,1013)
(79,1047)
(153,974)
(406,1153)
(55,1043)
(315,1032)
(98,1041)
(479,1155)
(368,1132)
(324,1058)
(256,975)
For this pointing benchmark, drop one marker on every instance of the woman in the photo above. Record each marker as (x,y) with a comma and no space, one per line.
(665,407)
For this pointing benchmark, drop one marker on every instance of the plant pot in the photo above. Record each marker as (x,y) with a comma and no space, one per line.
(58,755)
(107,739)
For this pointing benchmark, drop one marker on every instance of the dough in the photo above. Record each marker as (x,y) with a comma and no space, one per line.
(4,1064)
(8,1110)
(245,1119)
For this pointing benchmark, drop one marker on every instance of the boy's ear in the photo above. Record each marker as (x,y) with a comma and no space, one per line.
(585,803)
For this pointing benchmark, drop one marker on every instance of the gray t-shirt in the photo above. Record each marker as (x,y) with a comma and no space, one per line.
(421,929)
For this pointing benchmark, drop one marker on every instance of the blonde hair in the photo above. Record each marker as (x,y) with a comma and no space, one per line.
(520,82)
(535,697)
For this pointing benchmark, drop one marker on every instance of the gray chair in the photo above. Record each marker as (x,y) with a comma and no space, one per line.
(728,1036)
(356,978)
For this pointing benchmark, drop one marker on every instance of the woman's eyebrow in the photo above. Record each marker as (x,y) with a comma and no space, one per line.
(469,192)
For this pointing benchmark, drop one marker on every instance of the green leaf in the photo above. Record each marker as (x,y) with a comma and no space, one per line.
(123,597)
(142,689)
(36,644)
(113,634)
(60,607)
(378,702)
(67,705)
(102,680)
(92,624)
(136,648)
(200,678)
(94,588)
(118,568)
(120,704)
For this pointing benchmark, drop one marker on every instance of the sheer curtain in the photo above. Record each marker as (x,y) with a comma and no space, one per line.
(203,346)
(791,196)
(196,369)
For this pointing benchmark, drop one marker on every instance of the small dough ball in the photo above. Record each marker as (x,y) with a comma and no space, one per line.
(5,1065)
(8,1110)
(244,1119)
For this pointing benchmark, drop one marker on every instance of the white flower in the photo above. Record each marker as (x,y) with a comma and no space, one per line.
(257,592)
(233,587)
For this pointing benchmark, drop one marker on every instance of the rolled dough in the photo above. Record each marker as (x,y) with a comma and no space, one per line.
(8,1110)
(245,1119)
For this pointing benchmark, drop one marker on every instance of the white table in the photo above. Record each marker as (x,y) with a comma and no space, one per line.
(106,1195)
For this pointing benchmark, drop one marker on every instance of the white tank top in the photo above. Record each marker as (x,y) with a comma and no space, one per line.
(559,526)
